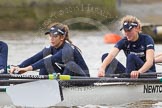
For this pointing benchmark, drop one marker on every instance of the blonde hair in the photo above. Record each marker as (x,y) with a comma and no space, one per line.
(62,27)
(130,18)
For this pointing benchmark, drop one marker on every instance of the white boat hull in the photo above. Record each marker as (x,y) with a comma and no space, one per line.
(104,94)
(109,95)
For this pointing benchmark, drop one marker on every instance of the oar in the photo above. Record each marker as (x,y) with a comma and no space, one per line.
(8,82)
(82,81)
(68,77)
(24,76)
(41,93)
(111,80)
(142,75)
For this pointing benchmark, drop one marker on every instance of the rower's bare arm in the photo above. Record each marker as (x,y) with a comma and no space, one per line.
(149,61)
(147,65)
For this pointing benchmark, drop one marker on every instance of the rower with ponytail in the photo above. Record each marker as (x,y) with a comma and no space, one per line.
(61,56)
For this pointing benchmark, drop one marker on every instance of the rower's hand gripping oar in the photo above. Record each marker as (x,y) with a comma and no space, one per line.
(41,93)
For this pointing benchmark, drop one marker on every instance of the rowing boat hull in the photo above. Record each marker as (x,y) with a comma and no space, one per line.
(110,94)
(104,94)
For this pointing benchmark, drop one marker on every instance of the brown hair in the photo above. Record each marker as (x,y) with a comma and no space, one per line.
(62,27)
(130,18)
(66,29)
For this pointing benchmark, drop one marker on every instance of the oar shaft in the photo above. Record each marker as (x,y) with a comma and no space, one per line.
(110,80)
(68,77)
(20,76)
(8,82)
(23,76)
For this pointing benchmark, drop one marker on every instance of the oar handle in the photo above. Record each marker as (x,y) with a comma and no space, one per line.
(142,75)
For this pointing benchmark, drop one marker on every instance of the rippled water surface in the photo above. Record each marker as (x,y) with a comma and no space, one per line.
(24,44)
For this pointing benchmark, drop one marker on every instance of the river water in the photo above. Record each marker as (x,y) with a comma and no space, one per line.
(24,44)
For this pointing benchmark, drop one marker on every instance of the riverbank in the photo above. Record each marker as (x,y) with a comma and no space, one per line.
(35,14)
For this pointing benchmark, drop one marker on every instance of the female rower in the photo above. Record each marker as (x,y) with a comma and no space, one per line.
(138,48)
(65,57)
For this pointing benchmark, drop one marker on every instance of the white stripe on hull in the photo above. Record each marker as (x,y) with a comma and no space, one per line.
(104,94)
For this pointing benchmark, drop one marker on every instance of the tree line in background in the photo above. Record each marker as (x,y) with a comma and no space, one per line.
(35,14)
